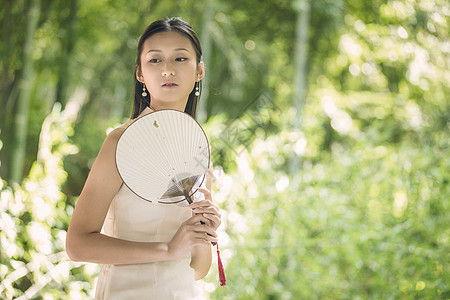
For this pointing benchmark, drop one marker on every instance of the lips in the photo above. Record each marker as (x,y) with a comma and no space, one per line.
(169,84)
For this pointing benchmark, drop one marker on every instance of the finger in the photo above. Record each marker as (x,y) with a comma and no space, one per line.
(205,229)
(202,203)
(193,223)
(205,239)
(205,236)
(206,192)
(196,219)
(213,220)
(212,217)
(207,210)
(209,223)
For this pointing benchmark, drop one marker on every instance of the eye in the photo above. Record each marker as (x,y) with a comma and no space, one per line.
(154,60)
(180,59)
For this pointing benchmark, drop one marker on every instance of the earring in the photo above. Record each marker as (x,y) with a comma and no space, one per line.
(197,93)
(144,93)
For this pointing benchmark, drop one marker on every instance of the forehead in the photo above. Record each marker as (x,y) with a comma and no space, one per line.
(166,41)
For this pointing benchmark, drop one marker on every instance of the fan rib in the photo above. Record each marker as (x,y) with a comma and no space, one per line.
(149,157)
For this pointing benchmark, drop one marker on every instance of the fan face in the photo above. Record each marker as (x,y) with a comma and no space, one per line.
(162,156)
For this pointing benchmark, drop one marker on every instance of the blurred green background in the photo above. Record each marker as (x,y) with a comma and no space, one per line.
(329,126)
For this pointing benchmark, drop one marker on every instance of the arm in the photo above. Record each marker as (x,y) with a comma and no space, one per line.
(201,254)
(84,242)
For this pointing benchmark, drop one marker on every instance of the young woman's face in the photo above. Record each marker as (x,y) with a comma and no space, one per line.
(169,69)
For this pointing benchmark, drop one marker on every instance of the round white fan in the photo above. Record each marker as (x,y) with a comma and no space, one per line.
(163,157)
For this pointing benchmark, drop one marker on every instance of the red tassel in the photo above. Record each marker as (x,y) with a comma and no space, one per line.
(221,271)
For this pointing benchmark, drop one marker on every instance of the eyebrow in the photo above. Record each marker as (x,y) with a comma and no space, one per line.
(176,49)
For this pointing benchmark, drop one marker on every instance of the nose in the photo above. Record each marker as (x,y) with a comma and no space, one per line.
(168,69)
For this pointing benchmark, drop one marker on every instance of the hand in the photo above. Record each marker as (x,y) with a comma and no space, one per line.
(207,209)
(191,233)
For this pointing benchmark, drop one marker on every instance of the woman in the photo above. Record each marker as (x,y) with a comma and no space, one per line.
(149,251)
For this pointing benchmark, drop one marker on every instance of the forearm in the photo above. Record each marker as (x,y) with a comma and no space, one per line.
(201,260)
(103,249)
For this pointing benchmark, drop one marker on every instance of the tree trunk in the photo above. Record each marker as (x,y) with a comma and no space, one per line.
(7,47)
(205,36)
(6,83)
(301,46)
(301,57)
(25,87)
(63,78)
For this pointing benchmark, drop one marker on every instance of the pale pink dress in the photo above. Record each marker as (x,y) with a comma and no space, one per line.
(131,218)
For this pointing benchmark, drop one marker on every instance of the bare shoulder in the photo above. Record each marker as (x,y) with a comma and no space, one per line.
(104,168)
(113,137)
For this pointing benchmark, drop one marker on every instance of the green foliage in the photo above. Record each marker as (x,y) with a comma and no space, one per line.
(364,217)
(33,221)
(360,221)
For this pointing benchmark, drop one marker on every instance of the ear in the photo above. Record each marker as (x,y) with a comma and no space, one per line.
(139,76)
(200,71)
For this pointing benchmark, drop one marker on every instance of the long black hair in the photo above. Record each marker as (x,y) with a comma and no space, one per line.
(167,24)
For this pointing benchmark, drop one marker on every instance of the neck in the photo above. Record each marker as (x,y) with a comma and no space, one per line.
(180,106)
(148,110)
